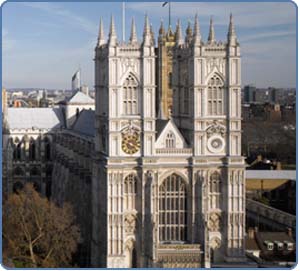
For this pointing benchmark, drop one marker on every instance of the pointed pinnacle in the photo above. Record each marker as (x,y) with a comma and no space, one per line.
(179,40)
(197,36)
(231,36)
(211,36)
(133,36)
(101,38)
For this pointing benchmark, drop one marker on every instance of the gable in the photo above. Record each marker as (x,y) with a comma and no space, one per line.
(170,131)
(80,98)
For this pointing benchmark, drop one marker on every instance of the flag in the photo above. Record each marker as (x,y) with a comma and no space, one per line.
(76,81)
(164,3)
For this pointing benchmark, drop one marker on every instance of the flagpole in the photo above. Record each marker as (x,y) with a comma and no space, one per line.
(123,15)
(169,13)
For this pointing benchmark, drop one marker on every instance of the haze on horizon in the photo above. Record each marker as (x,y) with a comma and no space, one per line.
(44,43)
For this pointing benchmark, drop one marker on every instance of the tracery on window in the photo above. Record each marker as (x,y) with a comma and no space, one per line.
(130,190)
(186,97)
(215,96)
(32,150)
(130,96)
(173,209)
(215,190)
(170,140)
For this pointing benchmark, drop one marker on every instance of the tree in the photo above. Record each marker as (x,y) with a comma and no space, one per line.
(36,232)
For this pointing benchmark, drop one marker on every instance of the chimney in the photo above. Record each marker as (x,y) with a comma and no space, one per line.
(278,166)
(259,158)
(289,232)
(251,233)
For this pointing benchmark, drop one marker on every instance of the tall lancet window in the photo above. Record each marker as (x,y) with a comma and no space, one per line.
(215,190)
(130,189)
(130,96)
(173,209)
(170,140)
(215,96)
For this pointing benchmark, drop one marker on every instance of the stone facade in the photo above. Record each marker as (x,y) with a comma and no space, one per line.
(162,182)
(155,173)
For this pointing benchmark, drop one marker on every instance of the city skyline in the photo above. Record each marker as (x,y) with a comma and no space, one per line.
(51,40)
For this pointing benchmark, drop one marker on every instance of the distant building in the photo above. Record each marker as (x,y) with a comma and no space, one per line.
(271,249)
(249,94)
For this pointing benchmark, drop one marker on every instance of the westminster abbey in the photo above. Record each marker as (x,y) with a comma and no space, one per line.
(153,165)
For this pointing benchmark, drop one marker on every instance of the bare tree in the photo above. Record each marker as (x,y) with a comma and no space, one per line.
(36,232)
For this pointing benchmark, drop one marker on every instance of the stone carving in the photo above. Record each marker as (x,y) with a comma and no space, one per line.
(215,243)
(214,222)
(130,222)
(215,128)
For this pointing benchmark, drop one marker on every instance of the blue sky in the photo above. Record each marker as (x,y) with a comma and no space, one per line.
(45,42)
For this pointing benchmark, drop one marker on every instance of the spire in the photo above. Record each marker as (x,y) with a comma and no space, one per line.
(211,35)
(179,40)
(147,33)
(231,36)
(162,29)
(112,37)
(189,33)
(152,34)
(197,35)
(101,38)
(133,36)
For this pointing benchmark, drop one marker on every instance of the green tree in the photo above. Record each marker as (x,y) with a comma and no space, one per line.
(36,232)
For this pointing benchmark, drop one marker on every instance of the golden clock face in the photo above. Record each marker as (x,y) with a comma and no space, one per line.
(130,143)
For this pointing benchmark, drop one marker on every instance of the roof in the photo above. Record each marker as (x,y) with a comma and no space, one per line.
(85,124)
(271,174)
(274,236)
(80,98)
(160,125)
(251,244)
(37,118)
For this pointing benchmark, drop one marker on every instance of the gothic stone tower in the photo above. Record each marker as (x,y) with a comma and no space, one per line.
(207,107)
(167,192)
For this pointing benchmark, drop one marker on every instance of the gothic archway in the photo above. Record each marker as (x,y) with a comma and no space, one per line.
(130,254)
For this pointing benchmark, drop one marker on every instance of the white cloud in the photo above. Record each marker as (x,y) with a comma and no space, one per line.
(7,42)
(67,16)
(245,14)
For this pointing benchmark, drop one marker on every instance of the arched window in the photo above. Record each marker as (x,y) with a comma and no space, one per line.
(34,172)
(130,96)
(215,96)
(173,209)
(186,97)
(170,80)
(170,140)
(19,151)
(18,172)
(47,149)
(32,150)
(130,189)
(215,190)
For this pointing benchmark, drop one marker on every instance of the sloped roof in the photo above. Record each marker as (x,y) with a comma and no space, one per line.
(38,118)
(85,123)
(160,125)
(251,244)
(80,98)
(271,174)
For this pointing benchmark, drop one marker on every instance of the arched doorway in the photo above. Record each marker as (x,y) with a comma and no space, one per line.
(130,255)
(215,250)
